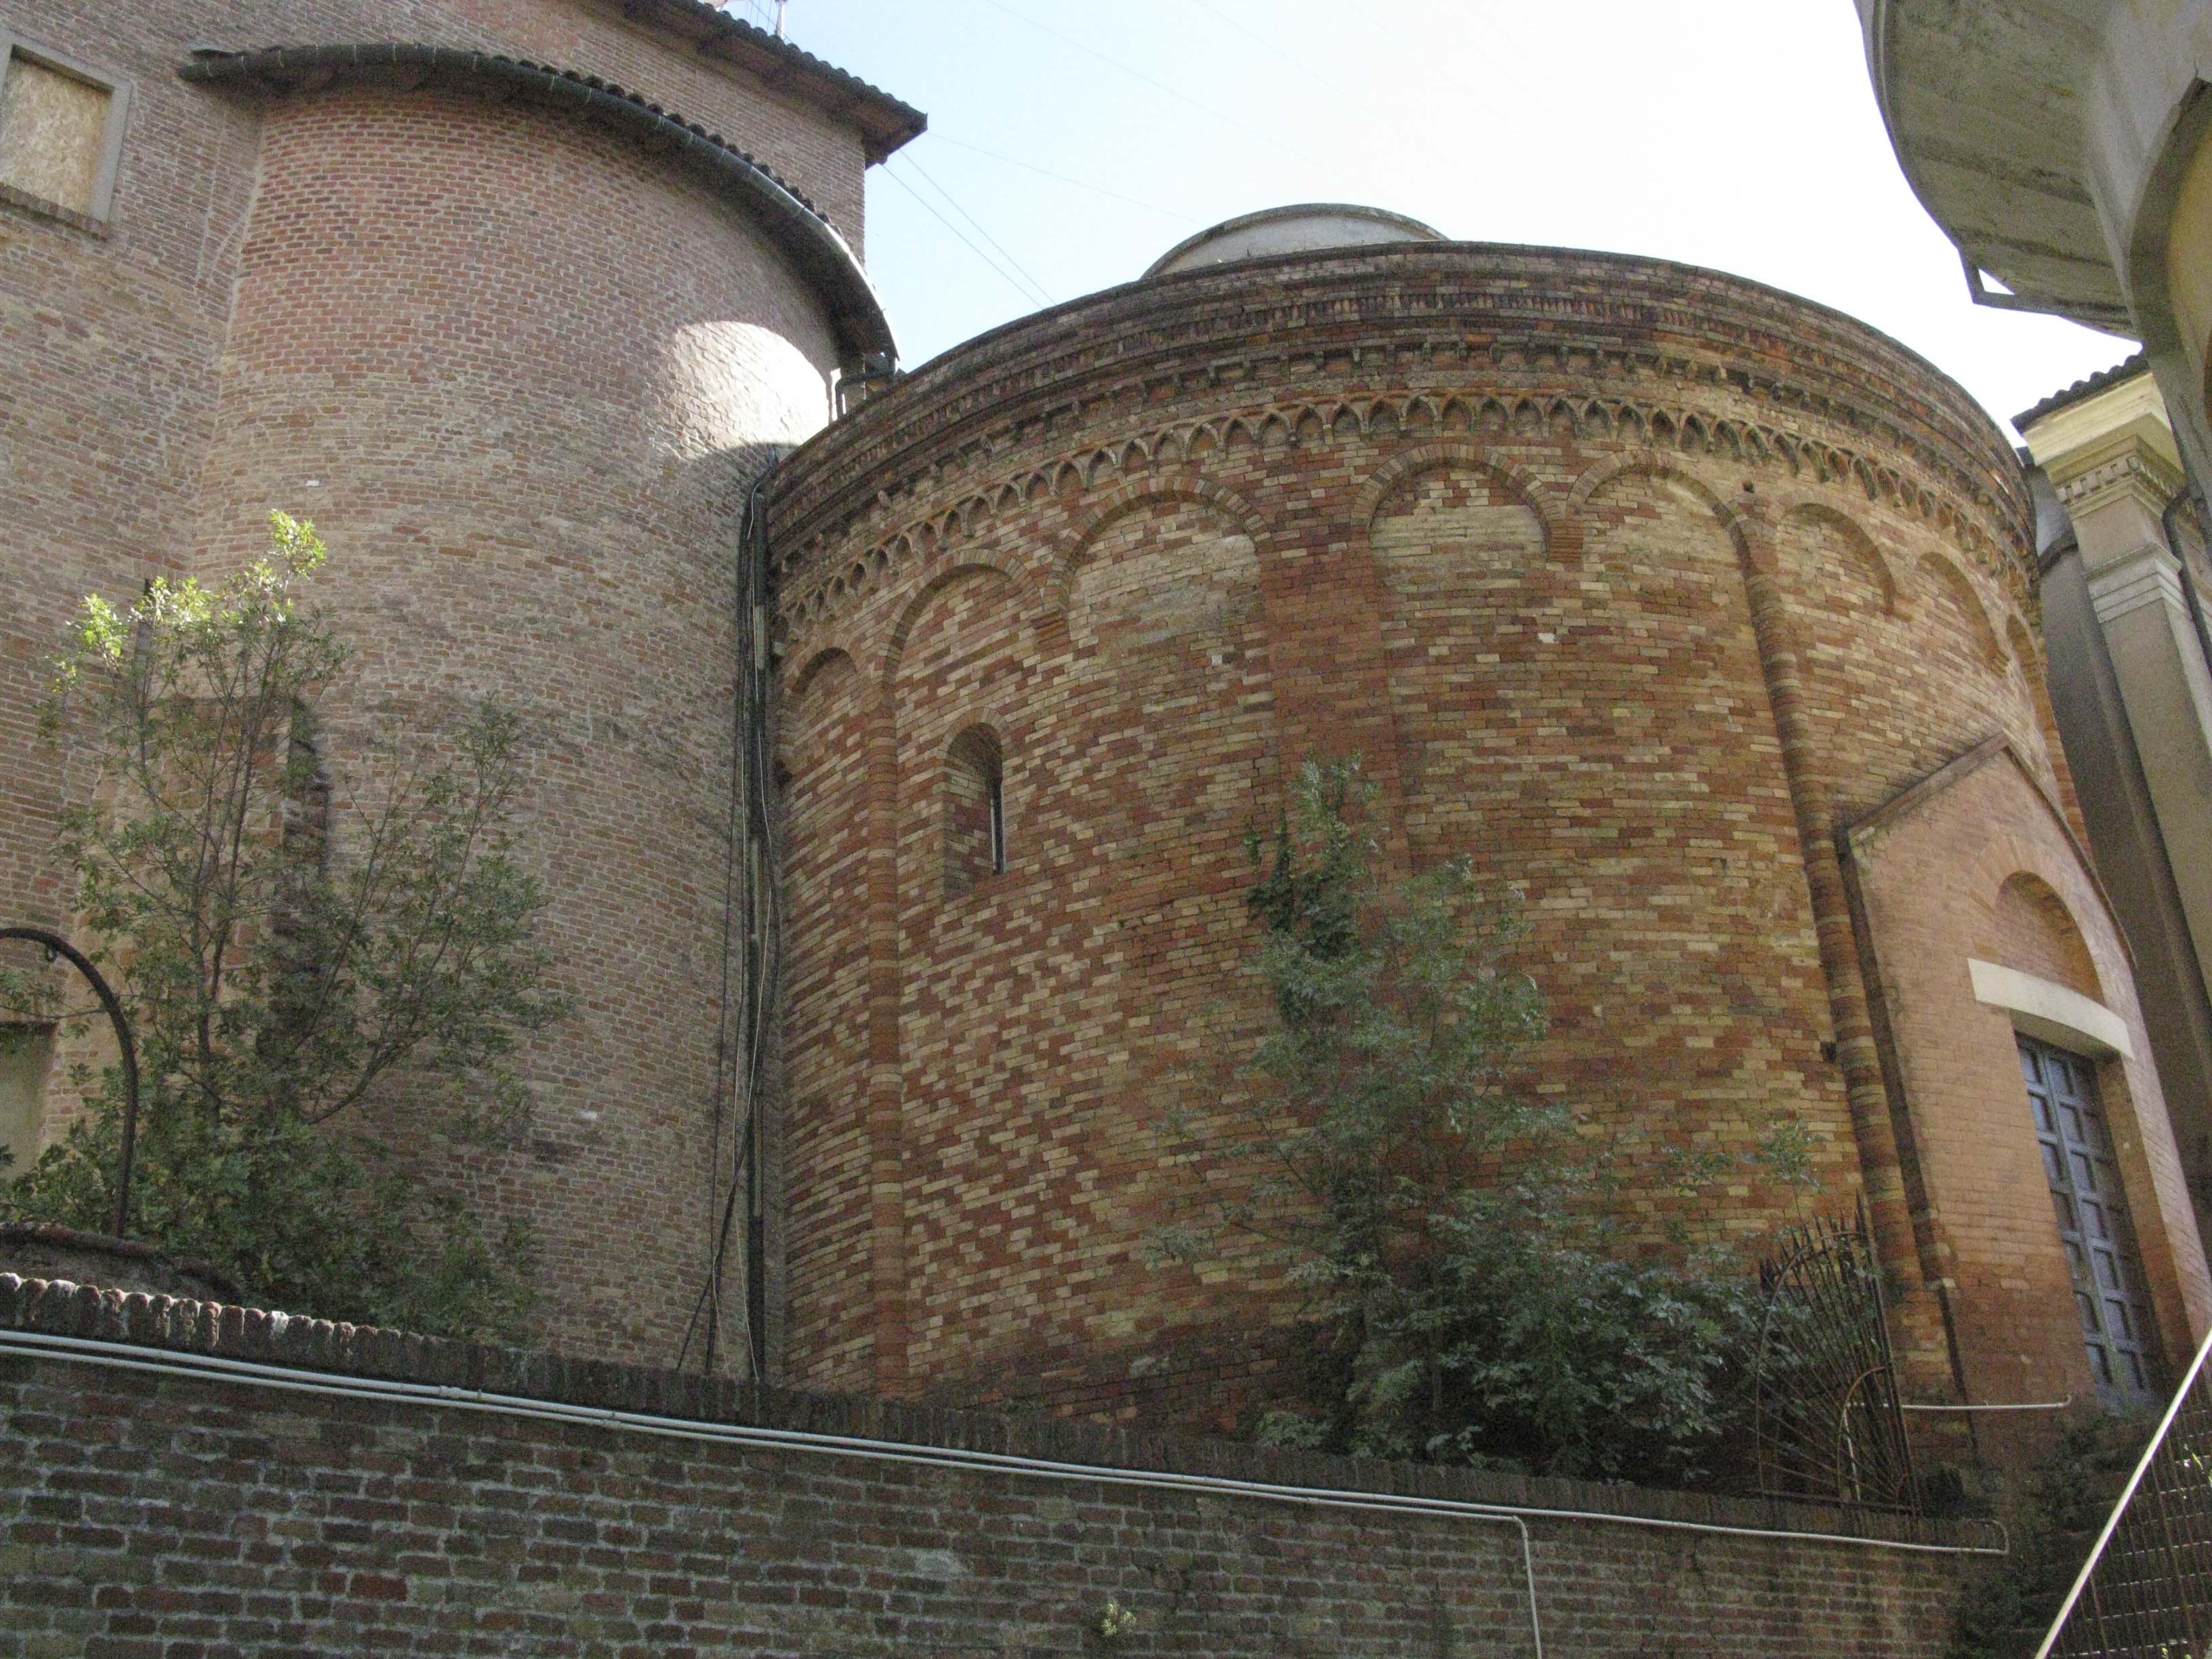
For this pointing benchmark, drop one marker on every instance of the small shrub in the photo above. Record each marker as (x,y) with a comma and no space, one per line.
(2053,1514)
(289,945)
(1480,1299)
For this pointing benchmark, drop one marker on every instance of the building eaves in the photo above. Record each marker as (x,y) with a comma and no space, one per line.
(798,228)
(2088,386)
(1982,107)
(885,121)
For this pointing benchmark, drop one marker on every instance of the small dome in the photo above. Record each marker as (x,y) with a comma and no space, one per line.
(1306,227)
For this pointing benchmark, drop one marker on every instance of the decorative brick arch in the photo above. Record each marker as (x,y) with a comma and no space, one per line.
(1945,573)
(2033,920)
(1657,464)
(816,664)
(1117,502)
(1411,463)
(894,649)
(1800,507)
(792,715)
(2010,854)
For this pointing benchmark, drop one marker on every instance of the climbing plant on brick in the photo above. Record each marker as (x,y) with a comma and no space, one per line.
(290,944)
(1457,1238)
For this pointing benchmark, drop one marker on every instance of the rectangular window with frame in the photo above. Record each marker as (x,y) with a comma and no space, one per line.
(60,130)
(2094,1224)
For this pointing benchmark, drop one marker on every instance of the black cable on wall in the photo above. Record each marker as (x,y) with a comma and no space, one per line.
(751,940)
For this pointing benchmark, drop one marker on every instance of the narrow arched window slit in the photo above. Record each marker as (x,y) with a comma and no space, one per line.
(975,810)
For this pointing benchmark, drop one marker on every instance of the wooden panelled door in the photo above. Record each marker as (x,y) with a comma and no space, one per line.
(2094,1223)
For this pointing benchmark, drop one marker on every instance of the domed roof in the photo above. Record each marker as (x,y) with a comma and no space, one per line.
(1302,228)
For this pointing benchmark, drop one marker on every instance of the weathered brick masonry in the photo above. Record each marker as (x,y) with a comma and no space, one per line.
(517,343)
(1701,617)
(1634,583)
(148,1512)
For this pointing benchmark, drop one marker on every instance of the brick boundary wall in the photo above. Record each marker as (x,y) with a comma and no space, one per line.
(312,1505)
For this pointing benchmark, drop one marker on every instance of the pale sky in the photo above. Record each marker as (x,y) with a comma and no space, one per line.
(1085,139)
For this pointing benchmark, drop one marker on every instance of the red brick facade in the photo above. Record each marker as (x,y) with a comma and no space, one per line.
(516,346)
(1655,592)
(1632,582)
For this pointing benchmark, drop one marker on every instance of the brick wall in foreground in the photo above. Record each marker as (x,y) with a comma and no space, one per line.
(160,1511)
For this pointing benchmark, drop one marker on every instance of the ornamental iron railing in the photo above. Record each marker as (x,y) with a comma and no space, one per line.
(59,949)
(2146,1590)
(1828,1423)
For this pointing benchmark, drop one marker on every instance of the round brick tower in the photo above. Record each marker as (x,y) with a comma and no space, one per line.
(1700,617)
(521,374)
(515,309)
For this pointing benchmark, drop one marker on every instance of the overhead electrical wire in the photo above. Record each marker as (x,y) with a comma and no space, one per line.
(1268,46)
(935,136)
(1010,280)
(1069,40)
(1334,85)
(907,161)
(1473,37)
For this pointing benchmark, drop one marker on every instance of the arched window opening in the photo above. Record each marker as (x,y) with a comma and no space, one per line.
(2046,979)
(998,797)
(975,810)
(2033,933)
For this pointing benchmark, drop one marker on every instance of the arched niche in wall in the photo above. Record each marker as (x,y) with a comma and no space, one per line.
(1951,596)
(1160,567)
(1176,707)
(1471,628)
(1171,754)
(1843,572)
(2031,930)
(824,825)
(1654,802)
(1878,712)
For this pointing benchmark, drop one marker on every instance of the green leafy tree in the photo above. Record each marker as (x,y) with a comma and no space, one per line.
(289,950)
(1458,1241)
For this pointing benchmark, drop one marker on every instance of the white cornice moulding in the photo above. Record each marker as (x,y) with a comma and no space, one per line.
(2044,1009)
(2148,575)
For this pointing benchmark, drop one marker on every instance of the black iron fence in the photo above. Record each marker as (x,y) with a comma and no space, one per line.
(1828,1421)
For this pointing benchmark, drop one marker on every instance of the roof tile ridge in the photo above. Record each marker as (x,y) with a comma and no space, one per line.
(392,52)
(2136,362)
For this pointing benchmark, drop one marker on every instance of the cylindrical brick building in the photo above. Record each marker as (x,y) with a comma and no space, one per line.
(513,303)
(1700,616)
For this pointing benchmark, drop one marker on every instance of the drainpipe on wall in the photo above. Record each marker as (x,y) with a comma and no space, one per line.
(2169,524)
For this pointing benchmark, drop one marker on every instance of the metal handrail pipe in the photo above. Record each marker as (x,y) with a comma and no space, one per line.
(2127,1495)
(87,1350)
(92,1350)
